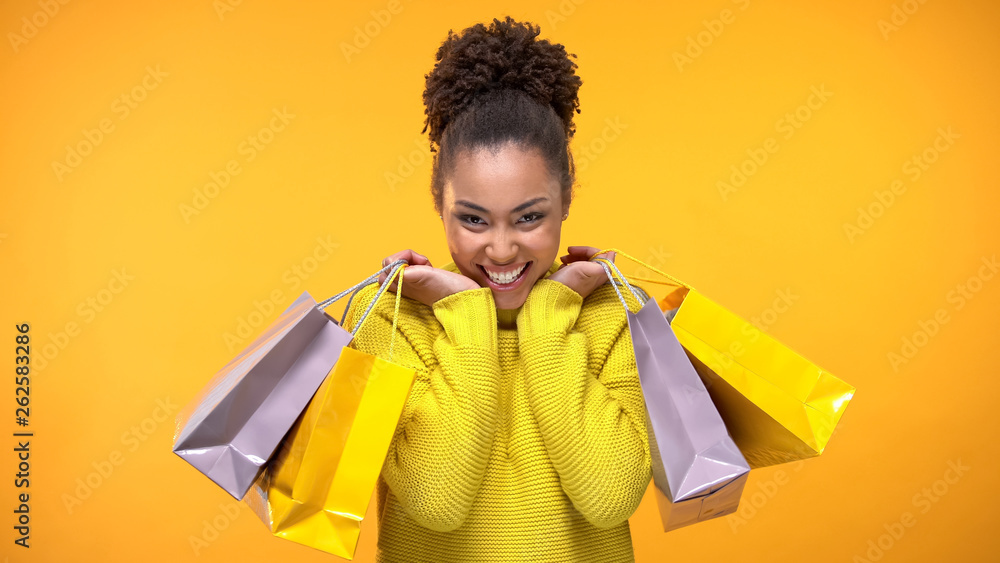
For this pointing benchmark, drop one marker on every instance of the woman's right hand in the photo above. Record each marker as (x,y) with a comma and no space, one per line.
(423,282)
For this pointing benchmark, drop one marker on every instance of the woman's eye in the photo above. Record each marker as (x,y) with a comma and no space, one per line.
(476,220)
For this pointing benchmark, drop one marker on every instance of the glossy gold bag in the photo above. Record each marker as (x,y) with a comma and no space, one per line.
(316,490)
(777,405)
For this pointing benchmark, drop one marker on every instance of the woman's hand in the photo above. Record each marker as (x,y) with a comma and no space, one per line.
(579,273)
(423,282)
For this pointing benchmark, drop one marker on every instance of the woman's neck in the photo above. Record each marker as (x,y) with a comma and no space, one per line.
(507,318)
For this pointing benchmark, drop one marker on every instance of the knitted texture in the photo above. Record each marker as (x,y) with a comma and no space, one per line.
(523,437)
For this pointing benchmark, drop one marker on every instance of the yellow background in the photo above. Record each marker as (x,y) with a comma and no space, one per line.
(648,187)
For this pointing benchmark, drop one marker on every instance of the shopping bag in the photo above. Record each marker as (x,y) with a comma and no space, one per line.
(317,488)
(235,423)
(698,471)
(778,406)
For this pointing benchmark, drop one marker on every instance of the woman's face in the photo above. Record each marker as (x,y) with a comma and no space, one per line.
(501,212)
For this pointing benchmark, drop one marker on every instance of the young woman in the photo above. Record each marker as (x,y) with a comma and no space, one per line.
(524,434)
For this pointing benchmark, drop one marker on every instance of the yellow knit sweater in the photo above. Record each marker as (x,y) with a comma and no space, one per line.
(524,435)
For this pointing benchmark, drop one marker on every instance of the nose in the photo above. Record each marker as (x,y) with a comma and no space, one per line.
(502,249)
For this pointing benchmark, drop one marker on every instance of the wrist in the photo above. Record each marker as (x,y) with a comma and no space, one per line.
(469,317)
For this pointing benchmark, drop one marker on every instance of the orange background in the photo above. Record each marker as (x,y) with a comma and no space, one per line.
(648,186)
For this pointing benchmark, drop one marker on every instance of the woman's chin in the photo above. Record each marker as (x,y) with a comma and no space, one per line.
(507,302)
(510,299)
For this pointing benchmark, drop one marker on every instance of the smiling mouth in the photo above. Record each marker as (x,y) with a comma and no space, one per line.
(507,278)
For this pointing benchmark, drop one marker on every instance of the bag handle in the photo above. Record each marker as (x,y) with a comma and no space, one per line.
(640,262)
(604,264)
(394,267)
(343,317)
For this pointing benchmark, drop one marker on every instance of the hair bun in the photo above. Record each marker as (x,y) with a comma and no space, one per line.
(505,55)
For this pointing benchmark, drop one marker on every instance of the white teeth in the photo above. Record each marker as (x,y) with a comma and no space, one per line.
(505,278)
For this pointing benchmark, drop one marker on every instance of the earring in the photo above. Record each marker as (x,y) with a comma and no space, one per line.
(566,216)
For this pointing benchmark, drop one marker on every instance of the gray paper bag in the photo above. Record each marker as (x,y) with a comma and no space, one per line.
(698,471)
(232,427)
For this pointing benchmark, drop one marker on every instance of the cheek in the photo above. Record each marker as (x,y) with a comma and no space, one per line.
(544,242)
(464,249)
(463,246)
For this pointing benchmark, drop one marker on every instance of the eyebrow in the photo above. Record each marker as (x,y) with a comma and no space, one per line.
(482,209)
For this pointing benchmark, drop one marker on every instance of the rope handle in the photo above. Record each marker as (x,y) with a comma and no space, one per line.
(395,267)
(605,264)
(640,262)
(395,314)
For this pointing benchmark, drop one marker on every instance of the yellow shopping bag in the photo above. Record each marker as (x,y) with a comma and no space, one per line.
(777,405)
(317,489)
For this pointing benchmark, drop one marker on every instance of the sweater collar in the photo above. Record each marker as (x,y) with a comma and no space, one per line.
(506,318)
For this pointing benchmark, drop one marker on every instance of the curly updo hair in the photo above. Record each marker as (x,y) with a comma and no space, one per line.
(498,84)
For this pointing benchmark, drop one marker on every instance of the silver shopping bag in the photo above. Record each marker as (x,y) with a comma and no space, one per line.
(698,471)
(230,429)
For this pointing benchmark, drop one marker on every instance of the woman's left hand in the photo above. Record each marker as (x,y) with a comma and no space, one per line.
(579,273)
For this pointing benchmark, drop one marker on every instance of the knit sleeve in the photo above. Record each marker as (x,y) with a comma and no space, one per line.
(591,417)
(439,452)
